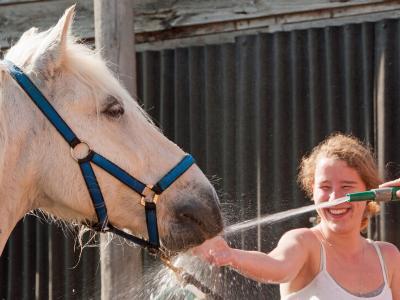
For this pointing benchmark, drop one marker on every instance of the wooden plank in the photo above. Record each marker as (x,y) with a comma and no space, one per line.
(19,17)
(191,13)
(166,19)
(15,1)
(113,23)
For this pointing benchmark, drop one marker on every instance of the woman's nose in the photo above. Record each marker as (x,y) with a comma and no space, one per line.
(332,196)
(335,195)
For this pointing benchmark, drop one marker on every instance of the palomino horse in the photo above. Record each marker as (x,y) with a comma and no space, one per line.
(37,170)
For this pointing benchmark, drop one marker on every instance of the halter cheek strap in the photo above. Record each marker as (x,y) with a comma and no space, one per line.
(148,193)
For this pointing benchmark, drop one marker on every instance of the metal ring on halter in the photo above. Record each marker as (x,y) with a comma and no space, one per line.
(76,155)
(148,195)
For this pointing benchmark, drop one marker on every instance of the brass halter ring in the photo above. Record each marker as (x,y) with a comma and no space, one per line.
(149,195)
(80,151)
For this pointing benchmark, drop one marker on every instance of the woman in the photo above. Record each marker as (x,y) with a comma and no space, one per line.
(331,260)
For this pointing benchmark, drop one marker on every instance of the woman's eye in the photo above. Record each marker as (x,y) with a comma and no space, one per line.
(114,109)
(325,188)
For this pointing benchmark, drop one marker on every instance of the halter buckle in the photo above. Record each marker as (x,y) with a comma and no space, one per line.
(148,195)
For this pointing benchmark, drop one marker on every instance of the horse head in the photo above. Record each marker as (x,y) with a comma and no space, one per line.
(37,170)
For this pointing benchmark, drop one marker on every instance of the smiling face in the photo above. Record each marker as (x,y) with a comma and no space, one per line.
(339,165)
(334,179)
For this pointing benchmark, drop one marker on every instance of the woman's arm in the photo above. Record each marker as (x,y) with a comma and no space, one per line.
(280,265)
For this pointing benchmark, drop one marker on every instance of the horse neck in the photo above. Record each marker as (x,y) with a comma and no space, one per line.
(16,192)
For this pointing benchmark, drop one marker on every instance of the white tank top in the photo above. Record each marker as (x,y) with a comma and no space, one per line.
(324,287)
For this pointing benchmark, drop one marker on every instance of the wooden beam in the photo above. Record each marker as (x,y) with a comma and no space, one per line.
(121,265)
(16,18)
(160,20)
(115,37)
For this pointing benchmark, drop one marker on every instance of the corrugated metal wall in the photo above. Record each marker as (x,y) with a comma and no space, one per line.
(247,111)
(387,66)
(42,261)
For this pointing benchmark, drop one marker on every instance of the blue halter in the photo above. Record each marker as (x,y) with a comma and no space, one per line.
(149,193)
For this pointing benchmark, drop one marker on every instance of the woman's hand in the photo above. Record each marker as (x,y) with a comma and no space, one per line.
(215,251)
(395,182)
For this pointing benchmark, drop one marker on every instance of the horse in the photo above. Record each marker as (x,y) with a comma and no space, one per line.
(38,172)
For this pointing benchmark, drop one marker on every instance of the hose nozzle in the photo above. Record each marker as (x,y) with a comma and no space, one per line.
(378,195)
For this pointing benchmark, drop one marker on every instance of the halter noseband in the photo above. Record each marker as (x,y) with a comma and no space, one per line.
(149,193)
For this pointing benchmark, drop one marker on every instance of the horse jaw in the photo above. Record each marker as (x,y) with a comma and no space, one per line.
(186,211)
(18,191)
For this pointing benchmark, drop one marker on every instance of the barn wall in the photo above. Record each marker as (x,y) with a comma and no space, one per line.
(247,110)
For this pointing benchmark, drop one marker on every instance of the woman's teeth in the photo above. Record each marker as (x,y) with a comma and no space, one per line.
(337,211)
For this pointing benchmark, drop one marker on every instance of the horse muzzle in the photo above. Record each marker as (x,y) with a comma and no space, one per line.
(190,219)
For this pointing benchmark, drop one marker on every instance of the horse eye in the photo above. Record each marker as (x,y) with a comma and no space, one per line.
(114,109)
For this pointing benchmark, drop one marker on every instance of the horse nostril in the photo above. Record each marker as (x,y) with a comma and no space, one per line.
(191,218)
(205,218)
(194,219)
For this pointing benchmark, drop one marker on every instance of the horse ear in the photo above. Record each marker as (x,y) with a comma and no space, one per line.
(51,52)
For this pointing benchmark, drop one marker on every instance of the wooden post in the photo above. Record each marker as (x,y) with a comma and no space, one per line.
(121,265)
(115,36)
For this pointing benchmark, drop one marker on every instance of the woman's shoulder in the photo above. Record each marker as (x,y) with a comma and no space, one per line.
(305,241)
(388,248)
(389,251)
(304,236)
(391,256)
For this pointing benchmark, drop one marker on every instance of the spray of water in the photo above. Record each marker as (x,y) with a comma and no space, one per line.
(169,286)
(269,219)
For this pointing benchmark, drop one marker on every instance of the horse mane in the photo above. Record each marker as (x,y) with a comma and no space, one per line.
(78,59)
